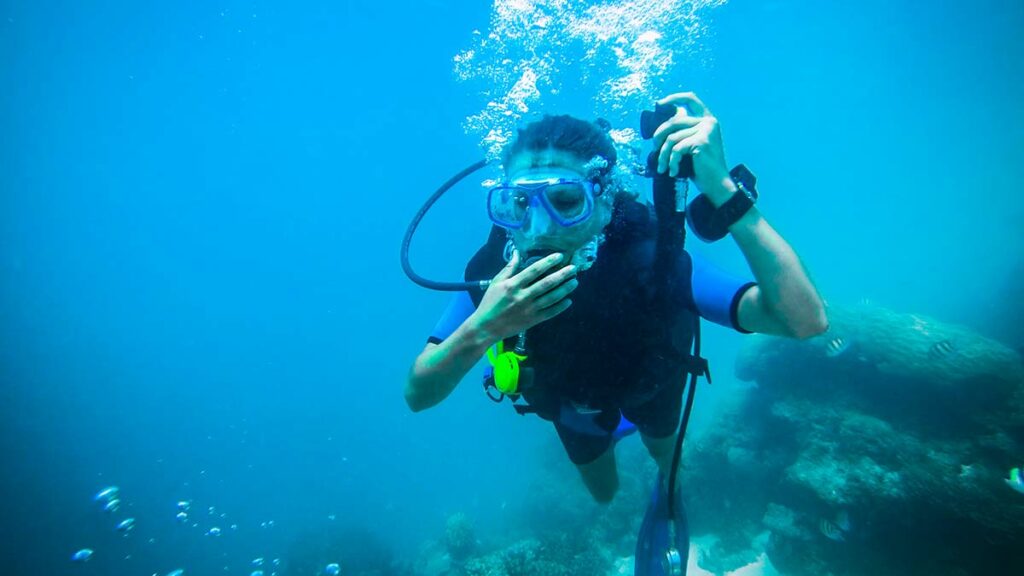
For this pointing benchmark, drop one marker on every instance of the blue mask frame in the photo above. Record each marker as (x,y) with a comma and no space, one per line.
(538,197)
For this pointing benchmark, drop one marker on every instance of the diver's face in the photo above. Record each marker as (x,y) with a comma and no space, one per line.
(540,231)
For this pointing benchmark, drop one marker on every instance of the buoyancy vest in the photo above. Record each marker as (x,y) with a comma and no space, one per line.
(626,335)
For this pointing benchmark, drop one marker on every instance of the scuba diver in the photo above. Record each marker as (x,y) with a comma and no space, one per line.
(585,303)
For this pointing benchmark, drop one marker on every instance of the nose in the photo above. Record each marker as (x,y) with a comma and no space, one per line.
(538,221)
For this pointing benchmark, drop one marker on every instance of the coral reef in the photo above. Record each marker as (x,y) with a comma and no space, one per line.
(558,531)
(458,537)
(533,557)
(879,447)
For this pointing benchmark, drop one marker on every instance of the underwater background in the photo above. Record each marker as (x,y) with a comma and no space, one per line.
(201,208)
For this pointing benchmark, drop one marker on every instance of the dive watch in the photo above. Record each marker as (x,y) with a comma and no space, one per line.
(711,224)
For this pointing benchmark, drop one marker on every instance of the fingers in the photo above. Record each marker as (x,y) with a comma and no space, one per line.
(682,148)
(689,100)
(549,282)
(552,311)
(555,296)
(677,123)
(537,269)
(664,154)
(680,121)
(509,269)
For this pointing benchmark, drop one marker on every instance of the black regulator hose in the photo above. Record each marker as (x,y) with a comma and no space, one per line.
(677,453)
(431,284)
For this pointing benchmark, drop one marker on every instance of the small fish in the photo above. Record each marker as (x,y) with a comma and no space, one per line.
(177,572)
(332,569)
(836,346)
(82,555)
(108,493)
(234,526)
(277,561)
(215,531)
(967,472)
(940,350)
(830,530)
(257,561)
(182,517)
(183,505)
(256,573)
(126,525)
(112,505)
(1016,480)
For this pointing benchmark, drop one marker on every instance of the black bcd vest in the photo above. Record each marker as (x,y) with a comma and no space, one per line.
(624,338)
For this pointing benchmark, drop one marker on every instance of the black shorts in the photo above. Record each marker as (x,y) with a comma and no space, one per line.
(656,418)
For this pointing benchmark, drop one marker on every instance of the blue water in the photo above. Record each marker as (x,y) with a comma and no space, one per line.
(200,216)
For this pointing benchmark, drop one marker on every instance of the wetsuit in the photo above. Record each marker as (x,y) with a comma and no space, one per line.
(622,348)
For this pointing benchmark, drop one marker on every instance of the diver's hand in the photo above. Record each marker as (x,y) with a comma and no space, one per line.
(515,302)
(694,130)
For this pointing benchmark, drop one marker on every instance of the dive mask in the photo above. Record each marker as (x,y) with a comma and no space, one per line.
(568,201)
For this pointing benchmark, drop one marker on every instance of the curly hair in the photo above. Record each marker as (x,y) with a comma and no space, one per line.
(587,141)
(582,139)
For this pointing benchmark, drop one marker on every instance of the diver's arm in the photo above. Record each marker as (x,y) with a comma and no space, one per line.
(784,302)
(514,302)
(440,367)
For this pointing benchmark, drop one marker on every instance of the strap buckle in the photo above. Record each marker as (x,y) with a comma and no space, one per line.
(698,366)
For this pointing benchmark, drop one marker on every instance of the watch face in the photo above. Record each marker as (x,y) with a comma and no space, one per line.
(745,181)
(747,191)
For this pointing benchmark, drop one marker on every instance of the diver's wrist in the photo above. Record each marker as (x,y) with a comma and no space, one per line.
(722,190)
(477,334)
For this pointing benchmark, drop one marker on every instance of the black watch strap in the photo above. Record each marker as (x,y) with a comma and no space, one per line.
(733,209)
(710,223)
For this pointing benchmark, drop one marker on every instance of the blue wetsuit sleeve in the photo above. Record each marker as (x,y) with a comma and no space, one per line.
(717,293)
(459,308)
